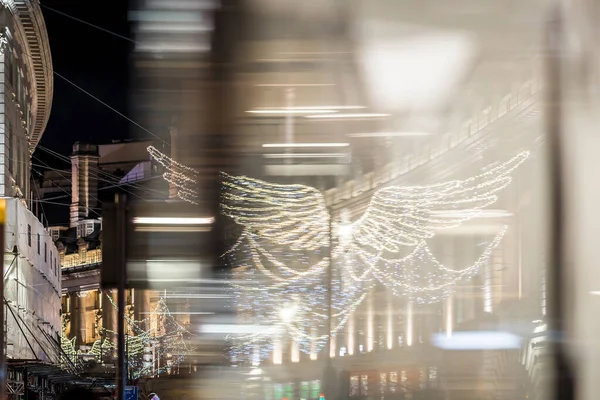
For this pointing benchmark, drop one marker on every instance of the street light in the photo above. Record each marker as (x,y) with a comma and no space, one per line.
(288,312)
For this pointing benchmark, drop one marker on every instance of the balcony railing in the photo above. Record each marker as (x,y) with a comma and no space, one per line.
(76,259)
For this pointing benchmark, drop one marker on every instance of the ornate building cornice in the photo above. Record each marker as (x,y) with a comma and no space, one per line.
(29,21)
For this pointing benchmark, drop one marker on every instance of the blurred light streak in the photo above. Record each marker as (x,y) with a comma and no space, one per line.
(277,352)
(294,84)
(487,213)
(184,313)
(173,221)
(370,330)
(196,296)
(172,47)
(290,111)
(390,325)
(233,328)
(349,115)
(186,5)
(351,335)
(477,340)
(306,155)
(310,108)
(409,324)
(332,350)
(165,16)
(388,134)
(295,357)
(280,145)
(167,27)
(449,316)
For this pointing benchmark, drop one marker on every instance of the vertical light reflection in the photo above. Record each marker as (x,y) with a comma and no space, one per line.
(409,323)
(351,335)
(370,330)
(256,356)
(295,352)
(449,315)
(390,324)
(487,288)
(332,349)
(277,352)
(313,343)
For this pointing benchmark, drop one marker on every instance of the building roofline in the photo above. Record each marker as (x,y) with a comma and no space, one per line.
(29,20)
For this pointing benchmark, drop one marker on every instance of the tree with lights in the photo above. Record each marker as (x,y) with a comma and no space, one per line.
(165,336)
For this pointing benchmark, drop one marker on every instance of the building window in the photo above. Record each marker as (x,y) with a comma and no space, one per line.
(89,228)
(364,385)
(55,234)
(45,252)
(393,381)
(304,389)
(315,389)
(354,386)
(38,244)
(29,235)
(383,383)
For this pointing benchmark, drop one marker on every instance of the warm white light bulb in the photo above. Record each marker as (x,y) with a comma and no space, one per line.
(288,312)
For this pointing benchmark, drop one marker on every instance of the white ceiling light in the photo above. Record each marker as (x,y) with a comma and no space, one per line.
(350,115)
(306,155)
(172,221)
(477,340)
(310,108)
(408,68)
(488,213)
(279,145)
(387,134)
(294,84)
(290,111)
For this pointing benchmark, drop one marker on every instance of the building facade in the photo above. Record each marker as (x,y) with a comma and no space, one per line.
(31,261)
(27,91)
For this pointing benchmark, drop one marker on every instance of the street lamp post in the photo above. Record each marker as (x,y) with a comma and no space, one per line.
(329,376)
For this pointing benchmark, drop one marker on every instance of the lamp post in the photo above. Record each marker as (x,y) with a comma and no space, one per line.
(329,376)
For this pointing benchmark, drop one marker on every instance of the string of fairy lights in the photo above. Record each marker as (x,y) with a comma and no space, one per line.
(164,339)
(282,253)
(282,256)
(182,177)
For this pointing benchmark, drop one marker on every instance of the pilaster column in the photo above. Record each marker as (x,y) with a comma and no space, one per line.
(109,319)
(141,306)
(76,319)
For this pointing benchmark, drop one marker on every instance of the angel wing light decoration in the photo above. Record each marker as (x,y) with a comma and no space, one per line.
(288,243)
(182,177)
(283,254)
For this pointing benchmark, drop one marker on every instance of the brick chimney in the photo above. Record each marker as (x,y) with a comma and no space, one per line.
(84,184)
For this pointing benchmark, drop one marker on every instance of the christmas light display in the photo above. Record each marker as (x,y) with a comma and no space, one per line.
(67,345)
(165,337)
(182,177)
(282,255)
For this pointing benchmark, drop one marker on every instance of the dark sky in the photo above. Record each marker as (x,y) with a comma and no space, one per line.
(94,60)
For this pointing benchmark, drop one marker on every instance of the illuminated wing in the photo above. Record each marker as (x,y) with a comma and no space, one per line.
(405,216)
(294,215)
(182,177)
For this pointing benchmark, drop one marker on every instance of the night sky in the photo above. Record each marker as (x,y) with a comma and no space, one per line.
(94,60)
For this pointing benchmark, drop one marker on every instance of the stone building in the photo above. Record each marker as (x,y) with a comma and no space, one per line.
(31,264)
